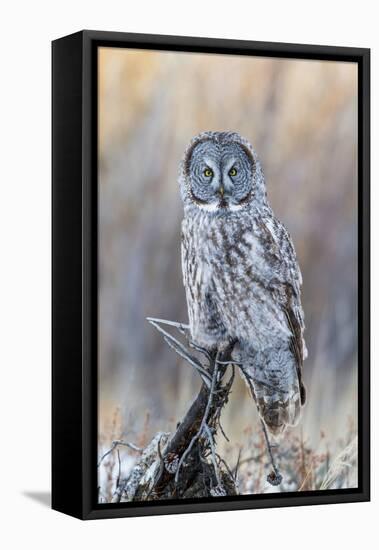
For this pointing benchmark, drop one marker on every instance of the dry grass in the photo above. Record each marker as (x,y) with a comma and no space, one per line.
(329,464)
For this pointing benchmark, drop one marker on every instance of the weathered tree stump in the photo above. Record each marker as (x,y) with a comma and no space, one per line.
(185,464)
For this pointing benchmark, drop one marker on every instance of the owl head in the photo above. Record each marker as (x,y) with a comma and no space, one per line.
(220,172)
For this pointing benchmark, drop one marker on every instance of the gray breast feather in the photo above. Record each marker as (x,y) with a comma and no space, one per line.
(232,270)
(243,283)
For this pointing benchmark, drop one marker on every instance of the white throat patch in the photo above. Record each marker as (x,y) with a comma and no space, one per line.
(214,207)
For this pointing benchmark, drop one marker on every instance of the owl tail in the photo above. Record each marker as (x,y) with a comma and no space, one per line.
(272,377)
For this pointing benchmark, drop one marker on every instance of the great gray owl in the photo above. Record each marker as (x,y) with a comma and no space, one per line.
(240,272)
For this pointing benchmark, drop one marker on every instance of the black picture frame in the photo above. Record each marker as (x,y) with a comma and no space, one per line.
(74,272)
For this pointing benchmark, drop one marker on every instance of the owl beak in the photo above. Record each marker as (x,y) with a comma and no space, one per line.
(221,190)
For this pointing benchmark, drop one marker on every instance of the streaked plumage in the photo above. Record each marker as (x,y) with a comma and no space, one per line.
(240,272)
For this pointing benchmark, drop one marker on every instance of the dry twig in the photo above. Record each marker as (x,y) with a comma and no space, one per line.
(115,444)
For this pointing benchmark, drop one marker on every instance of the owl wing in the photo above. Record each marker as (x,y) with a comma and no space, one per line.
(286,288)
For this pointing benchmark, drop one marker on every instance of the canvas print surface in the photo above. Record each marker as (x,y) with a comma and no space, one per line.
(228,279)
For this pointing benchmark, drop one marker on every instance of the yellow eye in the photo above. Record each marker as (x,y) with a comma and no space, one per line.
(208,173)
(232,172)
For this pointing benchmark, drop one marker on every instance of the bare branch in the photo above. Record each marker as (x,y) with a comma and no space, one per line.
(200,350)
(213,453)
(117,495)
(203,422)
(127,444)
(183,329)
(226,467)
(236,467)
(115,444)
(181,350)
(119,468)
(274,478)
(180,326)
(191,360)
(218,419)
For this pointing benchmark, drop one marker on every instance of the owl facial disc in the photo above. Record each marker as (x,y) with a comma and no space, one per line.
(220,175)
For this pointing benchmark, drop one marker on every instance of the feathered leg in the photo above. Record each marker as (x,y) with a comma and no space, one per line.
(273,376)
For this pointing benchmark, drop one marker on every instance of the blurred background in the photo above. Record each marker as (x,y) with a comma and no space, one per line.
(301,117)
